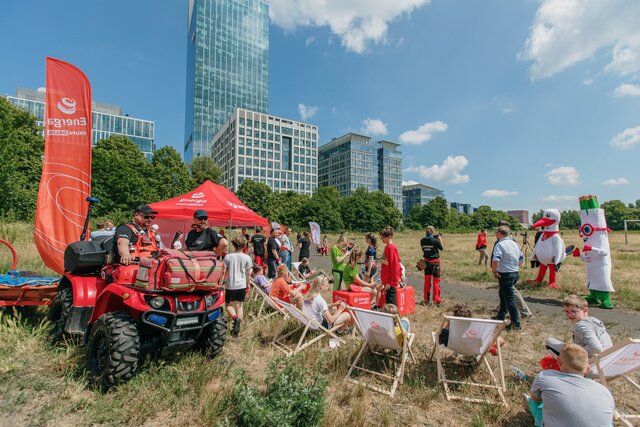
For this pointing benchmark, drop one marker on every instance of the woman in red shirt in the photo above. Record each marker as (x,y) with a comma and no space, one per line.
(481,246)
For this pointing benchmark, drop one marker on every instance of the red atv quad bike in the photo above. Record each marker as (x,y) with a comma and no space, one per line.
(161,305)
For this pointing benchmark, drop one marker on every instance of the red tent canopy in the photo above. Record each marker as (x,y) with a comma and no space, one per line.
(223,207)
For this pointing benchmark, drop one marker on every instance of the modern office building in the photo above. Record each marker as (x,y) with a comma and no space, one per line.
(279,152)
(521,215)
(418,194)
(227,66)
(353,161)
(390,171)
(106,120)
(463,208)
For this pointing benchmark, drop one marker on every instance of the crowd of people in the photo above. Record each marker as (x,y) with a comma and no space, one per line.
(563,388)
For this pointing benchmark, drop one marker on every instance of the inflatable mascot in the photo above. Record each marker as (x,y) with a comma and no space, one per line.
(549,250)
(595,253)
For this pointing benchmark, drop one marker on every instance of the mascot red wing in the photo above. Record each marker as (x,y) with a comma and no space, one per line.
(549,250)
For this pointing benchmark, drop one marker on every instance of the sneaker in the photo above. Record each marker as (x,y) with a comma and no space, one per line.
(514,327)
(528,315)
(236,327)
(497,318)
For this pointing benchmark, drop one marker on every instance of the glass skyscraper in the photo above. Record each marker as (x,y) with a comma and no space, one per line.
(106,120)
(418,194)
(227,66)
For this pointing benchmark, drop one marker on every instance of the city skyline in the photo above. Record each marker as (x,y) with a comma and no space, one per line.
(496,117)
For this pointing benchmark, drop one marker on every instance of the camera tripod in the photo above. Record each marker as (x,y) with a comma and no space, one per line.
(526,247)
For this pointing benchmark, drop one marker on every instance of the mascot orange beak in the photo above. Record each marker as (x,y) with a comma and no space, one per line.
(544,222)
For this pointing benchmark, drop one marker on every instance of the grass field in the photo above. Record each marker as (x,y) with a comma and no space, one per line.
(45,385)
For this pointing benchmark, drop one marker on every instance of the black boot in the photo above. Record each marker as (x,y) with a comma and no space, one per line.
(236,327)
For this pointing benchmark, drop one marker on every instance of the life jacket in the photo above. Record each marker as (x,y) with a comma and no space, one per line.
(146,242)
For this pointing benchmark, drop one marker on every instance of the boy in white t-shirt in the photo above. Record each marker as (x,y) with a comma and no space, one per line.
(328,315)
(236,272)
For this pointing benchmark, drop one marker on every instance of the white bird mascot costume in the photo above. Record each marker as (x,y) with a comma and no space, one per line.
(549,251)
(595,253)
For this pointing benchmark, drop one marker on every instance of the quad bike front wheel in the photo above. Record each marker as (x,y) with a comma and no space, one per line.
(212,338)
(113,350)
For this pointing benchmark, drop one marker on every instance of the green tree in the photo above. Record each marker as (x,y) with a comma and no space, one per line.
(120,176)
(288,209)
(616,212)
(258,197)
(364,211)
(569,220)
(324,208)
(204,168)
(21,149)
(168,175)
(536,216)
(436,212)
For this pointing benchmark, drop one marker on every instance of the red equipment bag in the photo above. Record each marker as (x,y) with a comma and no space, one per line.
(176,270)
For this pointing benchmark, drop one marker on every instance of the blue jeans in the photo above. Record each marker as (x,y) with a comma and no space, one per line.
(507,298)
(285,258)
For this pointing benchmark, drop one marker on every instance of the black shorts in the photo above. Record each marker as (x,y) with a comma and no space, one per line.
(231,295)
(390,296)
(432,269)
(325,324)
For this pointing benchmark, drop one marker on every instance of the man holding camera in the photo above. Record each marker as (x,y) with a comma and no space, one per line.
(431,246)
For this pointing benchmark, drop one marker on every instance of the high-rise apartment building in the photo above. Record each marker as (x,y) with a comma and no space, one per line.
(390,171)
(227,66)
(279,152)
(106,120)
(418,194)
(353,161)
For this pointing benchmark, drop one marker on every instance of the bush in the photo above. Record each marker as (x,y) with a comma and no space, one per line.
(291,399)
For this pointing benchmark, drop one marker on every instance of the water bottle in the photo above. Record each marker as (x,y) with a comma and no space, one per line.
(520,373)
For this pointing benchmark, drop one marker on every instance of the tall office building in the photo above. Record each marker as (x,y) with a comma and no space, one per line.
(390,171)
(279,152)
(463,208)
(418,194)
(227,66)
(106,120)
(353,161)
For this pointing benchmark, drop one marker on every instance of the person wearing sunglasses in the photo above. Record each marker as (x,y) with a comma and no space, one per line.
(203,238)
(135,239)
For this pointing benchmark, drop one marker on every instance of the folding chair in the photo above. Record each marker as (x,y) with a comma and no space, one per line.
(265,301)
(306,323)
(378,331)
(296,271)
(474,338)
(617,362)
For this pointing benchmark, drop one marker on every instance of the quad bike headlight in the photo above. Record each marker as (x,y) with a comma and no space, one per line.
(210,300)
(156,302)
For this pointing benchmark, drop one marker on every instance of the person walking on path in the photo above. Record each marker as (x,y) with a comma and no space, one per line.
(481,247)
(505,266)
(431,245)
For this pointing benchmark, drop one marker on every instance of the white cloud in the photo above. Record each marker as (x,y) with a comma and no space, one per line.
(564,175)
(505,104)
(587,82)
(498,193)
(373,127)
(449,171)
(626,139)
(459,192)
(616,181)
(424,133)
(627,90)
(307,111)
(555,198)
(358,23)
(410,182)
(309,41)
(566,32)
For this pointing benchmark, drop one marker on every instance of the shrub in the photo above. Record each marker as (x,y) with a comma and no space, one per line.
(291,398)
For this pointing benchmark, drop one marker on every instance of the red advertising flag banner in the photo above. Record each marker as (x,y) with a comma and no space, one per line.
(66,170)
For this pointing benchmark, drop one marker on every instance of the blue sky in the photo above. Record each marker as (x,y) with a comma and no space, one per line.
(519,105)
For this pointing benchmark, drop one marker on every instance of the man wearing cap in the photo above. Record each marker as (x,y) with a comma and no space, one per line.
(202,238)
(135,239)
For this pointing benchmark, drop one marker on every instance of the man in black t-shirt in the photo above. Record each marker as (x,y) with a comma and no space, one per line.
(259,243)
(273,253)
(126,247)
(202,238)
(431,245)
(303,246)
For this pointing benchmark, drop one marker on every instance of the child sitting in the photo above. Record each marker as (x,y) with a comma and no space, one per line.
(282,290)
(304,269)
(588,332)
(404,322)
(257,275)
(461,310)
(352,279)
(328,315)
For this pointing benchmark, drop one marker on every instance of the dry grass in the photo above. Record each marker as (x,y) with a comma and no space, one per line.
(48,386)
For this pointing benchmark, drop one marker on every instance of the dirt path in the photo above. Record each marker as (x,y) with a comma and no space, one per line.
(546,311)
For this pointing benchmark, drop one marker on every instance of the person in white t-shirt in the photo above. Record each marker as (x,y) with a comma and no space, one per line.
(237,272)
(328,315)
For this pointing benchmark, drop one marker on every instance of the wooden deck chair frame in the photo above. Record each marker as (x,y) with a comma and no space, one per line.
(500,387)
(604,380)
(400,361)
(265,301)
(309,324)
